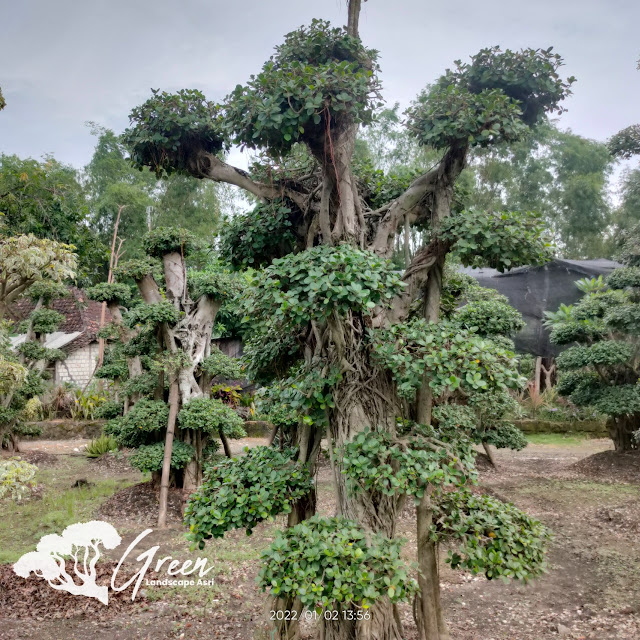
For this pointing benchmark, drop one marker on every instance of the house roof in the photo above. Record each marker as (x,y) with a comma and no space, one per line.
(82,319)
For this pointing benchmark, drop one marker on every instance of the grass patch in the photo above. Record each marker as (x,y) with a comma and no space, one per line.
(580,492)
(557,439)
(22,524)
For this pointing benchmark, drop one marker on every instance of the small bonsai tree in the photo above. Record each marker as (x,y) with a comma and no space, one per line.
(601,366)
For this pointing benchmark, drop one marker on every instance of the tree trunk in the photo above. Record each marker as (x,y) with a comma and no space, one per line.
(362,401)
(621,431)
(225,444)
(488,449)
(174,400)
(428,609)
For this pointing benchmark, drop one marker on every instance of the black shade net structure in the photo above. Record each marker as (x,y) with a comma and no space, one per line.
(534,290)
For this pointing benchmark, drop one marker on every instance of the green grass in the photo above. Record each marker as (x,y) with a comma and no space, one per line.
(557,439)
(571,493)
(22,524)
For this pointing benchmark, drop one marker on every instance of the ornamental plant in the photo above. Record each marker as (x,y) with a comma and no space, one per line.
(34,268)
(161,358)
(599,368)
(344,338)
(17,478)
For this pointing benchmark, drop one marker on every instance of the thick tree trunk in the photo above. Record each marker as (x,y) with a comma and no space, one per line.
(622,430)
(488,449)
(174,400)
(362,401)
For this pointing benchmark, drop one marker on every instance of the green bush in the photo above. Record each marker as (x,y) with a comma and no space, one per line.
(239,493)
(330,563)
(211,415)
(494,537)
(17,478)
(140,424)
(109,410)
(99,446)
(149,457)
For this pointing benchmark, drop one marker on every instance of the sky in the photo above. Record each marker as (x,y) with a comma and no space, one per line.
(66,62)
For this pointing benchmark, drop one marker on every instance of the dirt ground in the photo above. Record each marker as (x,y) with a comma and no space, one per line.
(589,498)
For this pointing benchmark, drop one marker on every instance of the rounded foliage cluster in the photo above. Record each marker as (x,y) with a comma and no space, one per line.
(315,283)
(607,353)
(453,357)
(110,292)
(318,77)
(152,314)
(144,420)
(489,318)
(499,240)
(34,351)
(219,365)
(495,538)
(162,240)
(137,268)
(149,457)
(46,320)
(218,284)
(169,129)
(330,563)
(239,493)
(374,463)
(255,238)
(492,99)
(211,416)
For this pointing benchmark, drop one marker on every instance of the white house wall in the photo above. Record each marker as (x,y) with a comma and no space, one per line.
(78,367)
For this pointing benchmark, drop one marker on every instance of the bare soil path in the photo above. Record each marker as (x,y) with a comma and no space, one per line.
(589,498)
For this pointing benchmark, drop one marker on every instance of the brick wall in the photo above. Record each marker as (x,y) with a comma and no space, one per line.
(78,366)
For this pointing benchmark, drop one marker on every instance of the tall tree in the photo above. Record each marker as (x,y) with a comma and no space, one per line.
(558,174)
(47,200)
(112,181)
(329,307)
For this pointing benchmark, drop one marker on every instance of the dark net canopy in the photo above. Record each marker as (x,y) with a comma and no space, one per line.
(534,290)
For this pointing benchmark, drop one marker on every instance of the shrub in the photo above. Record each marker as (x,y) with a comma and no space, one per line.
(109,409)
(211,415)
(99,446)
(149,457)
(17,478)
(239,493)
(135,428)
(330,563)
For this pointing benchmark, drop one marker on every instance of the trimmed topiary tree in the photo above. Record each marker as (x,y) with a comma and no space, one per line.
(349,341)
(162,357)
(600,367)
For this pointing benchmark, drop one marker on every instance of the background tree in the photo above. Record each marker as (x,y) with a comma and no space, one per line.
(111,181)
(27,260)
(20,401)
(558,174)
(45,199)
(320,309)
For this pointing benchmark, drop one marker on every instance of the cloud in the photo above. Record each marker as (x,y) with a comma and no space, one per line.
(72,62)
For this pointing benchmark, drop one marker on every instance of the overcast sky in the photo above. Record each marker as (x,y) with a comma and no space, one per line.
(65,62)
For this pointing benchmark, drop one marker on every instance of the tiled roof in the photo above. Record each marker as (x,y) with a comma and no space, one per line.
(81,315)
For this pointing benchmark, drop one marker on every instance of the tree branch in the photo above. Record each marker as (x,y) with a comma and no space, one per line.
(210,166)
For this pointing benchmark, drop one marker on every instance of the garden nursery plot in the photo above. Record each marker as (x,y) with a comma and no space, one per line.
(311,352)
(590,590)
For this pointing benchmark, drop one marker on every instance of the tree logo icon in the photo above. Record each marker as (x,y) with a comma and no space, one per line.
(79,545)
